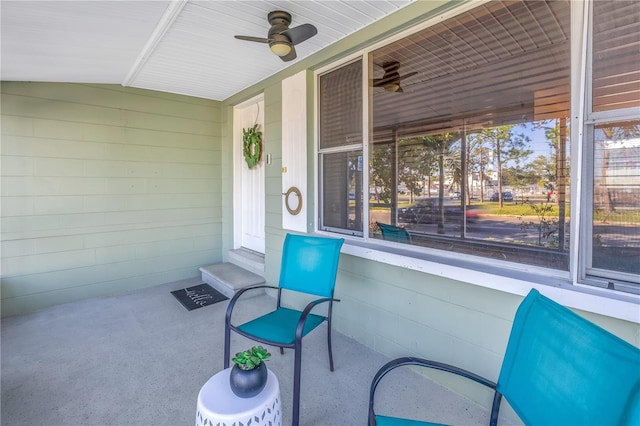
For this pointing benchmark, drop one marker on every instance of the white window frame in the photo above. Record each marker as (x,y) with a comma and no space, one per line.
(586,273)
(319,152)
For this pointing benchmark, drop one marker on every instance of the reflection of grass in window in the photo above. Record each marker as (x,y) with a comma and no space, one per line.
(376,206)
(518,209)
(626,216)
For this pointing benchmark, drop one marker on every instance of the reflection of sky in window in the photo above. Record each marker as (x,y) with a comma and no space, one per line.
(539,143)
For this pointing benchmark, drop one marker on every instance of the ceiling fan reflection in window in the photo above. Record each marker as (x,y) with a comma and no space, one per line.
(390,81)
(280,37)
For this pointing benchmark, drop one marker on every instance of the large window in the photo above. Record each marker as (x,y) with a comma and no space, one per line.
(468,141)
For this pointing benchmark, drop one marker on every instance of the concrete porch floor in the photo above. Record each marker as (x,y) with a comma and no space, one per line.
(141,358)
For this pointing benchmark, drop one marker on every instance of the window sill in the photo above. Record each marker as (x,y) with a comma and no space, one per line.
(503,276)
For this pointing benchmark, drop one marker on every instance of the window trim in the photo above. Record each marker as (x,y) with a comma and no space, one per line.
(579,49)
(585,273)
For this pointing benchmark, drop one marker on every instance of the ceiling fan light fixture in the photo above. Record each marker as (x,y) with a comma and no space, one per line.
(280,48)
(392,87)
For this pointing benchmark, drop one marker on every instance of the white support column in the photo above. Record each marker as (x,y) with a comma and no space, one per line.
(294,152)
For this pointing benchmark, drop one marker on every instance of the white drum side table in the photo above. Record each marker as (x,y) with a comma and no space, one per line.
(219,406)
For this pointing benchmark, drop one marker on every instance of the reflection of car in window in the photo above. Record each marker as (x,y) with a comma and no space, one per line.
(506,196)
(426,211)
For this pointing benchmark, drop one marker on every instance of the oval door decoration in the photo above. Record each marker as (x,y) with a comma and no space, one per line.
(296,191)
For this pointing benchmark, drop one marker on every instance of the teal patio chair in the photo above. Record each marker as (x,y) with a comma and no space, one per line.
(394,233)
(309,265)
(558,369)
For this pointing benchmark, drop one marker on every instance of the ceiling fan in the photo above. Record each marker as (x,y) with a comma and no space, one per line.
(280,37)
(391,78)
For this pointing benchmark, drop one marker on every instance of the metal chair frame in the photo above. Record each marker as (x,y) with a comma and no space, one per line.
(558,368)
(421,362)
(299,334)
(296,346)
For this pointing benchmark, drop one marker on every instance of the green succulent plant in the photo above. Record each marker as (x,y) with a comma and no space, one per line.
(250,359)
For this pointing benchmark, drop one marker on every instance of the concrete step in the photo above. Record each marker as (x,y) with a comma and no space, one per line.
(228,278)
(247,259)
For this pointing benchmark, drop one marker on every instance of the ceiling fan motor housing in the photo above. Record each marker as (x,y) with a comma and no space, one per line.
(279,17)
(390,81)
(280,22)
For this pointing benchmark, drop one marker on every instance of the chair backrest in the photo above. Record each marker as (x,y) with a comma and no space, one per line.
(310,264)
(394,233)
(561,369)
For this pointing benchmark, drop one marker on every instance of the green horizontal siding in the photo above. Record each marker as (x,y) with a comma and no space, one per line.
(105,189)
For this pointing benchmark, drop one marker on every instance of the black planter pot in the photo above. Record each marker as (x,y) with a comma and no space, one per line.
(248,383)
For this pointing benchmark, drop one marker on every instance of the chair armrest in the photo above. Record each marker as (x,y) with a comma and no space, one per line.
(307,311)
(408,361)
(239,293)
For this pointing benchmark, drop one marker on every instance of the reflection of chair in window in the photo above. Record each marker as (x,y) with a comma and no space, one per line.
(394,233)
(309,265)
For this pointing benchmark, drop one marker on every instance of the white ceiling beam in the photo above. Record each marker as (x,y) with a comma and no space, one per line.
(165,22)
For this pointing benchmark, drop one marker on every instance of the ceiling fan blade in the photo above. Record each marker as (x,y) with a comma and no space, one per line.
(249,38)
(381,82)
(300,33)
(390,66)
(290,56)
(407,75)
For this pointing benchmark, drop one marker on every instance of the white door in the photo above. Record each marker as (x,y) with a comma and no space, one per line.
(249,189)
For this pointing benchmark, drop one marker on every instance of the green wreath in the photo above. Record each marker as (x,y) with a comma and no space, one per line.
(252,145)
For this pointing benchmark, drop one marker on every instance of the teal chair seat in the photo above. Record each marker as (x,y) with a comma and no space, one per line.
(309,265)
(558,369)
(394,421)
(280,325)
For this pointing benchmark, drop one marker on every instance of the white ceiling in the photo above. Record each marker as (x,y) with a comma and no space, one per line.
(184,47)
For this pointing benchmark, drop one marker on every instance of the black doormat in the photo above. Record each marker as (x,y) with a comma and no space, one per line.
(198,296)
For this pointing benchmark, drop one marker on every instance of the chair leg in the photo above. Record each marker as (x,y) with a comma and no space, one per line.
(329,346)
(296,384)
(281,350)
(227,345)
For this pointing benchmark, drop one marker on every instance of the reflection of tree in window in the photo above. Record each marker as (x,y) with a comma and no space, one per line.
(380,173)
(414,163)
(505,146)
(442,146)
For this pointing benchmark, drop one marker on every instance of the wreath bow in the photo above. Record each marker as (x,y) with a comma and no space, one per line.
(252,145)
